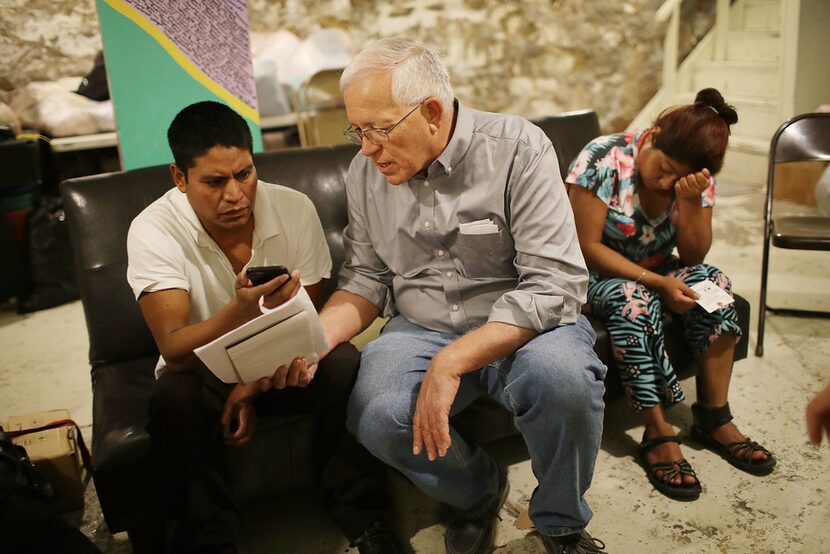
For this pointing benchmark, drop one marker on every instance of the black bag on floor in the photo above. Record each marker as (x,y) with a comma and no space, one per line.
(49,255)
(29,522)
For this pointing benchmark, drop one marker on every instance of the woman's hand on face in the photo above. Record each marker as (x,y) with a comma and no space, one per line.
(692,185)
(676,294)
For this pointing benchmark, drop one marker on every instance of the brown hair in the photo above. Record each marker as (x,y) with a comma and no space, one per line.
(696,134)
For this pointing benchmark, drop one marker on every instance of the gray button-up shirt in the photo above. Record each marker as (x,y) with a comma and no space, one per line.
(409,251)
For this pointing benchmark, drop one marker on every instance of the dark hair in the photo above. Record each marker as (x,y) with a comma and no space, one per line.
(696,134)
(203,125)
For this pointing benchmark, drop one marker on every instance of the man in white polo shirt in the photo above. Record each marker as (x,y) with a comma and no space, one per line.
(188,252)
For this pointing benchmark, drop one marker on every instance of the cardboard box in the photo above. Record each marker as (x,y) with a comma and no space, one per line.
(55,453)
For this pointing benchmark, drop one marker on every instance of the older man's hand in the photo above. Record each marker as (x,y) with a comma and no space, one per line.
(431,422)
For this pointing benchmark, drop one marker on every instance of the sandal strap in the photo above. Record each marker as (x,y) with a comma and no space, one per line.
(648,444)
(667,471)
(745,449)
(709,418)
(686,468)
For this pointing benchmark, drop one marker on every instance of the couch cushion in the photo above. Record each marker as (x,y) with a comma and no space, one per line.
(120,396)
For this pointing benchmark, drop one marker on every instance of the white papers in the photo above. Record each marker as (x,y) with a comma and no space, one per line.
(479,227)
(712,297)
(257,348)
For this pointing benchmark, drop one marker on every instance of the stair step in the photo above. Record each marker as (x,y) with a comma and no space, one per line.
(751,79)
(750,145)
(757,119)
(753,46)
(756,15)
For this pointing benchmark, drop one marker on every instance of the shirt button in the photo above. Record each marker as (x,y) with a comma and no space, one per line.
(449,169)
(449,274)
(455,307)
(440,252)
(426,183)
(426,224)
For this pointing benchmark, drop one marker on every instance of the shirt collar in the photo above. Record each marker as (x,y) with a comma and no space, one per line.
(459,143)
(266,222)
(197,230)
(635,150)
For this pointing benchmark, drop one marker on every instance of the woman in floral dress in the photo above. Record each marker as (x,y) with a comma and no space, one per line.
(636,196)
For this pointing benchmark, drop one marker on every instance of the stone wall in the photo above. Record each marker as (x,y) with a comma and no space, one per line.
(534,57)
(41,40)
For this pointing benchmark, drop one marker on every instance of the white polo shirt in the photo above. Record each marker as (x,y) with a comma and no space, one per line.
(168,248)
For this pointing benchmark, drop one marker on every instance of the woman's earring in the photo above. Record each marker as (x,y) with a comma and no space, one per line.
(433,128)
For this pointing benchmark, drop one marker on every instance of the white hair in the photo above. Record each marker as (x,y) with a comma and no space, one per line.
(417,71)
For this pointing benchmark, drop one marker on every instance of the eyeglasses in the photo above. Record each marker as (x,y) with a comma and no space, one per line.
(374,135)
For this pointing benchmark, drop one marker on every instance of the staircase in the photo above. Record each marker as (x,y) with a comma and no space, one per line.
(744,56)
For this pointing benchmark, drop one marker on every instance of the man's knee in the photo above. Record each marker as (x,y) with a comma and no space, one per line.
(185,399)
(339,369)
(175,391)
(379,421)
(561,379)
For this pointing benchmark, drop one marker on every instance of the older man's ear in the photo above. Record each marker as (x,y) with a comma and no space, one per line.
(435,112)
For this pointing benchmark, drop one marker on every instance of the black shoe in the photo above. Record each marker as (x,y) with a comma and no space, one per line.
(474,535)
(577,543)
(376,539)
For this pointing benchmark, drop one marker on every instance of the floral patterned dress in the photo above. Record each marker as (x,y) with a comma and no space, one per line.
(607,166)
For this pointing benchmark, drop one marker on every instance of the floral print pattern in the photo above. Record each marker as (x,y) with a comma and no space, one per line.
(607,167)
(633,313)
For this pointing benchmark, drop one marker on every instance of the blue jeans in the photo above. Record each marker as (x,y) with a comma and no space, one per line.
(553,386)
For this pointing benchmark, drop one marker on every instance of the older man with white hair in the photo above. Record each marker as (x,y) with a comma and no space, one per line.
(461,232)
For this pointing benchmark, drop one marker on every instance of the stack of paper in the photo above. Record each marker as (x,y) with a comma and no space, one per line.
(257,348)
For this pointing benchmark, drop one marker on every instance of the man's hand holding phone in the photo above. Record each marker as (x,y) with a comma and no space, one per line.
(273,283)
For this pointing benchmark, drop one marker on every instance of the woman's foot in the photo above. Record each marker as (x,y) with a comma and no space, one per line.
(713,428)
(667,470)
(729,434)
(666,452)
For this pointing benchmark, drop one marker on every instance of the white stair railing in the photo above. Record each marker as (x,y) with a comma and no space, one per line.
(670,10)
(671,76)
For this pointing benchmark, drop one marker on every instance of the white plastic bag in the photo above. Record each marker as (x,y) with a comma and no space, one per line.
(53,107)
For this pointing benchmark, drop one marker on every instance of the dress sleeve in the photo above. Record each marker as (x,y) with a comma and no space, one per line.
(595,168)
(707,199)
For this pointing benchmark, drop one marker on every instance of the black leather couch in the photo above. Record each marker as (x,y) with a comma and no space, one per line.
(122,353)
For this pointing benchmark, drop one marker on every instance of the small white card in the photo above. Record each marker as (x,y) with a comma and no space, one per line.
(712,297)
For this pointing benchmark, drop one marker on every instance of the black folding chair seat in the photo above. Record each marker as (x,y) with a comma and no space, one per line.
(802,233)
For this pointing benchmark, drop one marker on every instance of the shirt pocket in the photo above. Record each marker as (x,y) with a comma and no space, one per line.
(480,256)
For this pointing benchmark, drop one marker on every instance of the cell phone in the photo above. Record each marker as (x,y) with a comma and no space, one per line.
(264,273)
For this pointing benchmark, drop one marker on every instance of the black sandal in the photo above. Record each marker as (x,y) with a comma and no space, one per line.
(661,474)
(737,453)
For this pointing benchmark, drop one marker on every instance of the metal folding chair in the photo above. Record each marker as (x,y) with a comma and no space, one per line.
(805,137)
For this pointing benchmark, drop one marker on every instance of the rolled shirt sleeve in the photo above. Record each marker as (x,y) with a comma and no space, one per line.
(553,280)
(363,273)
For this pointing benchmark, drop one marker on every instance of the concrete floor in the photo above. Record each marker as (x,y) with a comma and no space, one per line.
(43,365)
